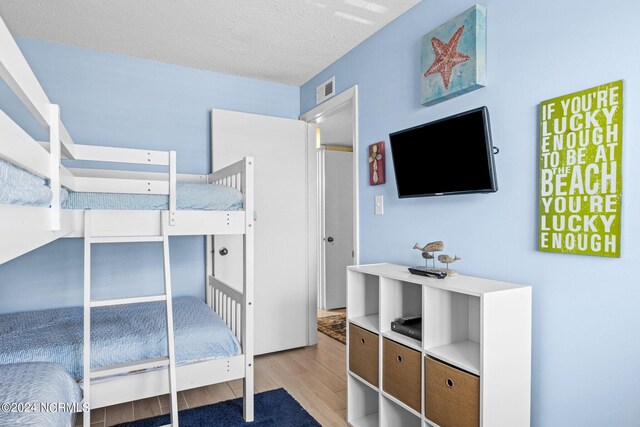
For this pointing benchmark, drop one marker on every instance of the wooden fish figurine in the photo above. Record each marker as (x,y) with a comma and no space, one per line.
(446,259)
(436,246)
(427,255)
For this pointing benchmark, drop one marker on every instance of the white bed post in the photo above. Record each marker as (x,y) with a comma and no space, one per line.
(173,389)
(86,347)
(208,269)
(247,310)
(54,161)
(172,188)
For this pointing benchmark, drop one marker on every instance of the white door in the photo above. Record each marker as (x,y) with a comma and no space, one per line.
(338,225)
(281,283)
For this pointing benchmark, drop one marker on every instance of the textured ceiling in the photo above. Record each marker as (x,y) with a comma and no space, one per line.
(286,41)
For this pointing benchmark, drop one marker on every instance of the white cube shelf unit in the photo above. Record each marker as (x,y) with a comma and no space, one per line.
(470,325)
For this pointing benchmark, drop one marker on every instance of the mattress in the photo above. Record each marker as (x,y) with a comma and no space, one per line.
(24,386)
(119,334)
(19,187)
(189,196)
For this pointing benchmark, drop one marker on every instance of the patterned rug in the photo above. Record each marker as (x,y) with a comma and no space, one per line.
(334,327)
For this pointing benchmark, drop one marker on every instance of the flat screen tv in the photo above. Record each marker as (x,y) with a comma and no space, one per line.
(453,155)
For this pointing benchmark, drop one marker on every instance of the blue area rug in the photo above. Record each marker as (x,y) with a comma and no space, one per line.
(272,408)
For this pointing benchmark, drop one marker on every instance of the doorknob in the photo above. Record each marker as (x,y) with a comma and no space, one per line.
(329,239)
(223,251)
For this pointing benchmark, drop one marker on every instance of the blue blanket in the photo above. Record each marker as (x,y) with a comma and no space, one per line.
(24,386)
(119,334)
(19,187)
(190,196)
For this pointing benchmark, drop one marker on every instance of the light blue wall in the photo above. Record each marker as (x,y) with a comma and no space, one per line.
(127,102)
(586,350)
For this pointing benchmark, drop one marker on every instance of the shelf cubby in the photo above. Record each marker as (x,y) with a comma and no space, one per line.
(462,354)
(399,299)
(364,294)
(370,322)
(363,412)
(452,328)
(394,413)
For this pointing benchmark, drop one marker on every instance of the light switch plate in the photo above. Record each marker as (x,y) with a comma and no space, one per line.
(379,204)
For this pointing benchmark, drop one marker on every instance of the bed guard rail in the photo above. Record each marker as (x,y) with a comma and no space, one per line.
(238,175)
(227,302)
(43,159)
(230,176)
(152,183)
(16,145)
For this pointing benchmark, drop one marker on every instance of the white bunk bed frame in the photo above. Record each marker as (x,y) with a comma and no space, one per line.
(24,228)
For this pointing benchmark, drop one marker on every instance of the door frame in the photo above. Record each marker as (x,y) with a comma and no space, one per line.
(349,96)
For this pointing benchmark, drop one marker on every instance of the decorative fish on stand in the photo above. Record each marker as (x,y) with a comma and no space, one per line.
(429,249)
(447,259)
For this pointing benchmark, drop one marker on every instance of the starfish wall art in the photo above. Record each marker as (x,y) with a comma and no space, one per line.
(454,57)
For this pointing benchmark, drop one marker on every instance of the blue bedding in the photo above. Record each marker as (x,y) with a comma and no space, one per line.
(19,187)
(190,196)
(119,334)
(33,383)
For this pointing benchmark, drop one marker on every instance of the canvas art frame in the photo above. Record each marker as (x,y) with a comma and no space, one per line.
(453,57)
(580,207)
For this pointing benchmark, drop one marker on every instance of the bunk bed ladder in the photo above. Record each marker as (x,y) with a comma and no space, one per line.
(160,362)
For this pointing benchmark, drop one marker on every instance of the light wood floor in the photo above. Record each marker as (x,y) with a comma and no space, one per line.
(314,375)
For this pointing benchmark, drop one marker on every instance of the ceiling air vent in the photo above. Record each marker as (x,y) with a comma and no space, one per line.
(326,90)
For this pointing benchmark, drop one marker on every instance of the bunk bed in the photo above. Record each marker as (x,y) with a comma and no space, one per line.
(41,200)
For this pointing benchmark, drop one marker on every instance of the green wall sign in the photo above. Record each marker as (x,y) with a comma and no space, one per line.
(581,172)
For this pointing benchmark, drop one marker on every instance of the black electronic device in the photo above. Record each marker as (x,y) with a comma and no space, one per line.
(429,272)
(453,155)
(410,326)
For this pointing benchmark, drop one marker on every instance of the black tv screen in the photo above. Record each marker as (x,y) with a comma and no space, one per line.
(453,155)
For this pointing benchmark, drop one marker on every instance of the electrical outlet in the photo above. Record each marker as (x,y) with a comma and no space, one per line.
(379,204)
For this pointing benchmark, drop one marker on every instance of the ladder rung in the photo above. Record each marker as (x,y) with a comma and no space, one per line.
(129,367)
(126,239)
(124,301)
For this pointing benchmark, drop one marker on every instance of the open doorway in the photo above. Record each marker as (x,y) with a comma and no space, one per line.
(335,176)
(333,203)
